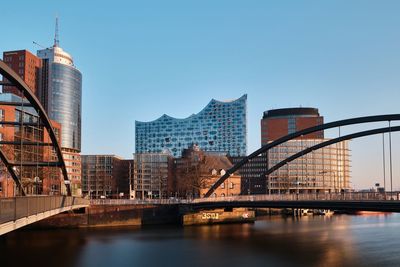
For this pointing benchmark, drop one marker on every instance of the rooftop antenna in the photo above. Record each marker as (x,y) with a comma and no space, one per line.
(56,40)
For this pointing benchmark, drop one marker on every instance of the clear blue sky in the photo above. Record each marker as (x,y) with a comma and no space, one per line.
(142,59)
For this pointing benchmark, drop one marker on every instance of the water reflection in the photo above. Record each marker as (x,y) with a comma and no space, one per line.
(307,241)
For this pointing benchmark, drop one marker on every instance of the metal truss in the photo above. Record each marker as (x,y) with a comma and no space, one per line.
(13,79)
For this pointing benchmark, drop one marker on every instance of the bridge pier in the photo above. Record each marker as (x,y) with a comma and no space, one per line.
(217,216)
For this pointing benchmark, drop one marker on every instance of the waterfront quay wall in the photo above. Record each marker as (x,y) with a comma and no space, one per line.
(105,215)
(114,215)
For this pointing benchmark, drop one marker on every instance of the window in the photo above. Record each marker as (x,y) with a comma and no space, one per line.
(2,115)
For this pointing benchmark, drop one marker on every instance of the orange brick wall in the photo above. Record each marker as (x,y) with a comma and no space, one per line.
(275,128)
(303,123)
(27,66)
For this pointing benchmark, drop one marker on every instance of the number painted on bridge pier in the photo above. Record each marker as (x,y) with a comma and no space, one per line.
(210,215)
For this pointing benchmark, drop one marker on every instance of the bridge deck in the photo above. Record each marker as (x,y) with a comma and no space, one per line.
(335,201)
(368,201)
(17,212)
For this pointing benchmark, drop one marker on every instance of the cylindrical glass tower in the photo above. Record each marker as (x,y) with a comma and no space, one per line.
(66,94)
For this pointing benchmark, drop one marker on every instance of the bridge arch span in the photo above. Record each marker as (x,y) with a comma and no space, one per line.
(13,79)
(328,143)
(325,126)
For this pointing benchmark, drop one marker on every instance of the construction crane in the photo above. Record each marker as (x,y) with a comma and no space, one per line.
(38,44)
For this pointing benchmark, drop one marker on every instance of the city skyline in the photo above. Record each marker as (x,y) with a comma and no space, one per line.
(214,133)
(280,55)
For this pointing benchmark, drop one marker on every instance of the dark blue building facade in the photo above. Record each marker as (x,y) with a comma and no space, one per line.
(220,127)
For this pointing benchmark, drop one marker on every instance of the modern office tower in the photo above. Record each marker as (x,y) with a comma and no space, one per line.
(61,96)
(323,170)
(196,171)
(252,182)
(27,66)
(220,127)
(277,123)
(34,179)
(152,173)
(106,176)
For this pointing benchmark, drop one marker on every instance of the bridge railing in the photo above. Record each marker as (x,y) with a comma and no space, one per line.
(347,196)
(138,201)
(12,209)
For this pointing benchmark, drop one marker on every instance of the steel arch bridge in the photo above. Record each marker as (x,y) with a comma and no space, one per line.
(265,148)
(13,79)
(328,143)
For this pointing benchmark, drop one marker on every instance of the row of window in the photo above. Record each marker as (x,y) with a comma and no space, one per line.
(203,129)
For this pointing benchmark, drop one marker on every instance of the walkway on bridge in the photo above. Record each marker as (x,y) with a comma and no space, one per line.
(17,212)
(347,201)
(350,201)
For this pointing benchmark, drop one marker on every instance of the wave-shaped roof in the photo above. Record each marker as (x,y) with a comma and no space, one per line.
(227,102)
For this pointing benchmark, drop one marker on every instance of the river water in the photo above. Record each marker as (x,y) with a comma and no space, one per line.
(339,240)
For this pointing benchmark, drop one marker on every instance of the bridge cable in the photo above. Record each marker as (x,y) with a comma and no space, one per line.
(302,166)
(390,151)
(384,162)
(338,180)
(37,151)
(49,152)
(21,136)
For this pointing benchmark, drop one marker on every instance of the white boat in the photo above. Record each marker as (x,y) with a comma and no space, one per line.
(323,212)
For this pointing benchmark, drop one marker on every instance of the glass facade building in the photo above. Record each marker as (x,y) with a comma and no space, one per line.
(152,172)
(323,170)
(61,96)
(66,94)
(220,127)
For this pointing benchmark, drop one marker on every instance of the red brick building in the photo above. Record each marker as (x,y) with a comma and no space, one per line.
(27,66)
(52,182)
(106,176)
(196,171)
(48,179)
(277,123)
